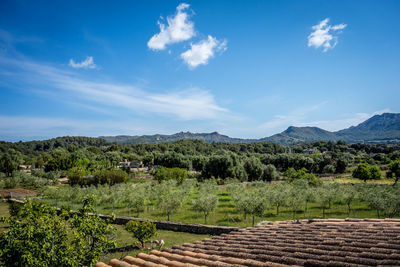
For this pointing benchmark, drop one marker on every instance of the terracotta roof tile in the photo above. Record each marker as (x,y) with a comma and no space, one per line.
(332,242)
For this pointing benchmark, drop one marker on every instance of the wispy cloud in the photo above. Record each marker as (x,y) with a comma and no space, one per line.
(201,52)
(324,35)
(88,63)
(179,29)
(189,104)
(15,128)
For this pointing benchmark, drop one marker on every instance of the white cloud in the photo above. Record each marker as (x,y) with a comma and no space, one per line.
(189,104)
(88,63)
(201,52)
(179,29)
(323,35)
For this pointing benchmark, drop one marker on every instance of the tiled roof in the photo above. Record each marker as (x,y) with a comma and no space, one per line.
(332,242)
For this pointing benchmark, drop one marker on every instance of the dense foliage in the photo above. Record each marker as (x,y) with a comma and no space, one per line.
(39,236)
(87,157)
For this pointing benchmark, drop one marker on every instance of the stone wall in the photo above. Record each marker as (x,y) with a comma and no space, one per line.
(172,226)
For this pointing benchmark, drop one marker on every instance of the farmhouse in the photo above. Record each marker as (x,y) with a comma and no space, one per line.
(309,151)
(130,164)
(330,242)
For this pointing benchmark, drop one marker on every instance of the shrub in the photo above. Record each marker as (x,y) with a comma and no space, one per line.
(329,169)
(80,176)
(375,173)
(38,236)
(76,175)
(110,177)
(270,173)
(142,231)
(177,174)
(14,208)
(293,175)
(362,172)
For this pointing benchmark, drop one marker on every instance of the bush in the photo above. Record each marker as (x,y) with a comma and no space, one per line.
(270,173)
(375,173)
(38,236)
(362,172)
(75,176)
(110,177)
(177,174)
(293,175)
(14,208)
(366,172)
(20,178)
(80,176)
(142,231)
(329,169)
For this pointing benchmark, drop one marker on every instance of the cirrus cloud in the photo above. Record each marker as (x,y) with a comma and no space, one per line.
(88,63)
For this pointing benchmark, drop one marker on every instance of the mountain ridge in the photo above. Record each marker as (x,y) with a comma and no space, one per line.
(379,128)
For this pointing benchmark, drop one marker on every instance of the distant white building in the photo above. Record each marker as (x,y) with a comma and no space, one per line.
(309,151)
(130,164)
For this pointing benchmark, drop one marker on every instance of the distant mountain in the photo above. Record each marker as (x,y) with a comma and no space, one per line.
(377,129)
(300,135)
(158,138)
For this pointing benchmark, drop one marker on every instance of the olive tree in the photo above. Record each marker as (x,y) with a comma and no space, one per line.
(170,202)
(347,195)
(277,195)
(206,203)
(295,196)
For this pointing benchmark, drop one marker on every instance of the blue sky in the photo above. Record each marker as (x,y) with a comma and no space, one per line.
(243,68)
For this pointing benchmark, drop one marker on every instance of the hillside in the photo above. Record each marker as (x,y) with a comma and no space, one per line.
(301,134)
(379,128)
(385,127)
(158,138)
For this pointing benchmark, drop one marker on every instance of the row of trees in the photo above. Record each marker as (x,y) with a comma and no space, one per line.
(95,154)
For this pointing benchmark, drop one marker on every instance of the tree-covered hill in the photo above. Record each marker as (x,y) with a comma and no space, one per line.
(378,129)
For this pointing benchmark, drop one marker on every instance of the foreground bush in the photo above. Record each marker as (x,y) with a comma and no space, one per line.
(38,236)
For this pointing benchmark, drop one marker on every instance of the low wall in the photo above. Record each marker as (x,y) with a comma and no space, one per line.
(176,226)
(166,225)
